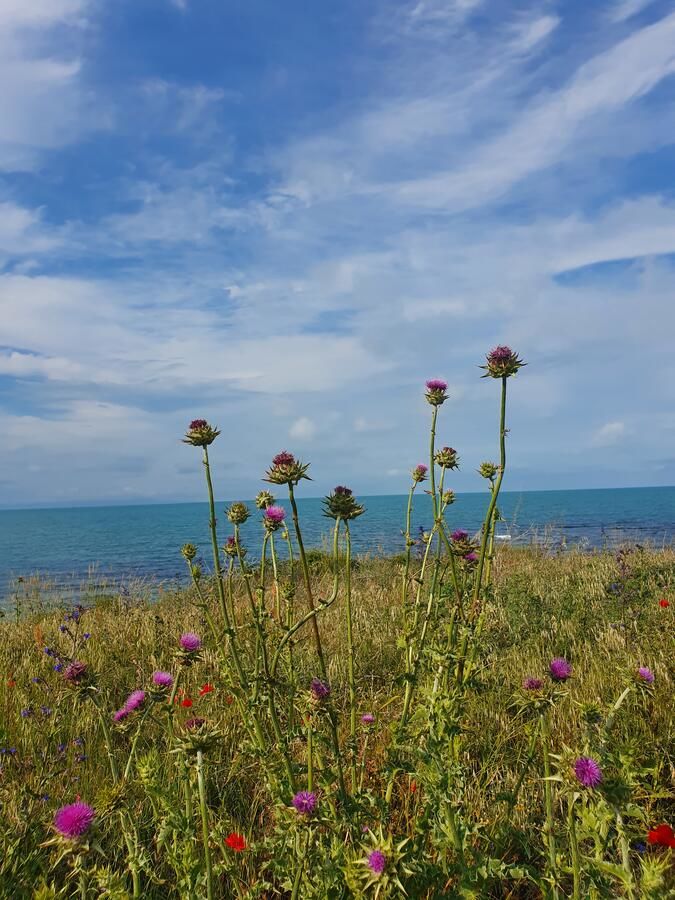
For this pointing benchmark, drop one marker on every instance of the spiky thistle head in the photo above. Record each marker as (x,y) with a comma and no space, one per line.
(447,458)
(200,433)
(436,391)
(238,513)
(273,518)
(286,469)
(341,504)
(488,470)
(264,499)
(502,362)
(419,473)
(188,551)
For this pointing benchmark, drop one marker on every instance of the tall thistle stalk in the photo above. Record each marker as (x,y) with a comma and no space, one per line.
(205,824)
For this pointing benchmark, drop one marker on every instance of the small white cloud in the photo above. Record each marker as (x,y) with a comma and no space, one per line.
(626,9)
(608,434)
(303,429)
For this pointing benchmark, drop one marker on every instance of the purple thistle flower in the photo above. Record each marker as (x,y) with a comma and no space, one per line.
(75,672)
(533,684)
(198,424)
(646,674)
(587,772)
(74,820)
(120,715)
(437,384)
(275,514)
(134,700)
(376,862)
(367,719)
(343,491)
(459,535)
(560,669)
(190,641)
(283,459)
(319,689)
(419,473)
(471,557)
(194,723)
(305,802)
(162,679)
(499,354)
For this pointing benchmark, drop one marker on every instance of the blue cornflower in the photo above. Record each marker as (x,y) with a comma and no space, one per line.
(27,712)
(58,667)
(36,680)
(86,636)
(49,651)
(62,748)
(46,710)
(78,741)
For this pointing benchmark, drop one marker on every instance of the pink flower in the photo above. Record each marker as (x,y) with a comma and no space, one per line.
(134,700)
(162,679)
(74,820)
(190,641)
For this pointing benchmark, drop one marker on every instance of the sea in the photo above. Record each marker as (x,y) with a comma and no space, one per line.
(117,545)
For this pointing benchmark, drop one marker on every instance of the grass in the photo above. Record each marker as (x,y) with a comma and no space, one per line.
(540,606)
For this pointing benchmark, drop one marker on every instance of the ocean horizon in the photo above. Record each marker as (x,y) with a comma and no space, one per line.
(119,543)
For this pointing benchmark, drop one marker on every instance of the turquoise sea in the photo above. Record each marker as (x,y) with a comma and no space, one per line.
(125,542)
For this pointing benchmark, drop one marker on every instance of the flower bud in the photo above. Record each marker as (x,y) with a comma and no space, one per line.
(189,551)
(238,513)
(264,499)
(230,547)
(419,473)
(448,498)
(341,504)
(200,433)
(488,470)
(286,469)
(447,458)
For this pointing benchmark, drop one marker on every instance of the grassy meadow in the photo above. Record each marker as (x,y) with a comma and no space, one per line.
(542,606)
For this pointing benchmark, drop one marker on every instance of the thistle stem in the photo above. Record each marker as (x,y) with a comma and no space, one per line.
(350,654)
(544,732)
(205,824)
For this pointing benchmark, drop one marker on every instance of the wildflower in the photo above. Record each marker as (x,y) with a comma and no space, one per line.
(646,674)
(188,551)
(58,667)
(273,517)
(205,689)
(447,458)
(162,679)
(471,557)
(120,715)
(319,689)
(377,861)
(367,719)
(341,504)
(488,470)
(86,636)
(190,642)
(448,498)
(11,683)
(46,711)
(458,536)
(419,473)
(61,748)
(662,836)
(264,499)
(75,672)
(236,842)
(305,802)
(663,603)
(560,669)
(286,469)
(200,433)
(27,712)
(238,513)
(436,391)
(502,362)
(74,820)
(230,547)
(533,684)
(194,723)
(587,772)
(134,700)
(186,703)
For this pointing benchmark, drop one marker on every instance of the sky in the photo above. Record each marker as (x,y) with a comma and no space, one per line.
(285,217)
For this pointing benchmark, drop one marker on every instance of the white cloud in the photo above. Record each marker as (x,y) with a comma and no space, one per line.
(626,9)
(609,434)
(303,429)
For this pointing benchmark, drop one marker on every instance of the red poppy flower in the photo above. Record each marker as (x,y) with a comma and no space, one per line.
(413,787)
(187,703)
(664,604)
(229,699)
(205,689)
(662,835)
(236,842)
(11,682)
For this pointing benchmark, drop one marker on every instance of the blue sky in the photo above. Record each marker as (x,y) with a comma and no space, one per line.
(284,217)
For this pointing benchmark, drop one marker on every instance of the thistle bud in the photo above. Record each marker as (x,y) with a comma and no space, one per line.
(488,470)
(341,504)
(286,469)
(264,499)
(448,498)
(200,433)
(447,458)
(76,673)
(238,513)
(188,551)
(419,473)
(230,547)
(502,362)
(436,392)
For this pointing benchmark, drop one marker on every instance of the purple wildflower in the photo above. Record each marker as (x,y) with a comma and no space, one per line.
(74,820)
(283,459)
(560,669)
(275,514)
(198,424)
(319,689)
(27,713)
(437,384)
(367,719)
(471,557)
(436,391)
(305,802)
(120,715)
(162,679)
(533,684)
(134,700)
(376,862)
(587,772)
(419,473)
(646,674)
(190,641)
(75,672)
(459,535)
(499,354)
(194,723)
(342,491)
